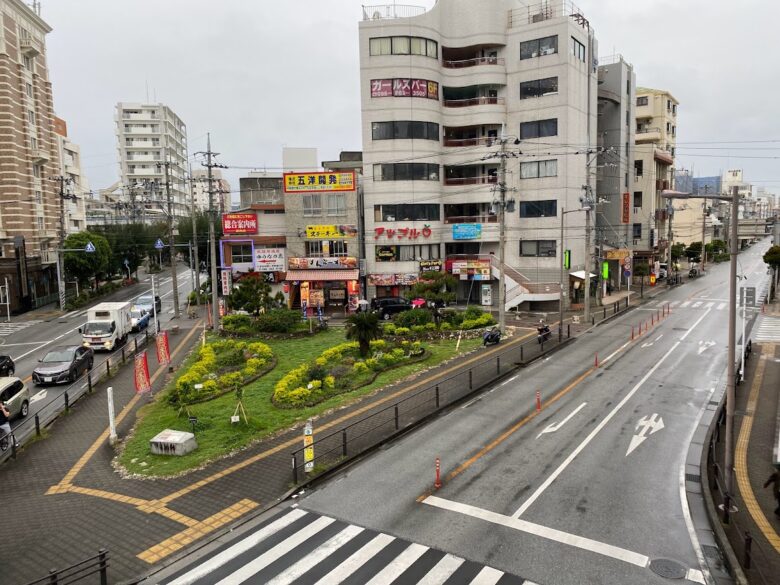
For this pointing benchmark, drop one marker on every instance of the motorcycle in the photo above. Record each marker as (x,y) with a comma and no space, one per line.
(491,337)
(544,334)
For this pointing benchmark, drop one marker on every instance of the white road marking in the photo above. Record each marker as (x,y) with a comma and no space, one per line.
(705,345)
(354,562)
(614,353)
(699,320)
(39,396)
(259,563)
(555,426)
(240,547)
(659,337)
(696,305)
(721,306)
(45,343)
(581,542)
(402,562)
(487,576)
(685,304)
(442,570)
(20,344)
(647,344)
(645,427)
(674,304)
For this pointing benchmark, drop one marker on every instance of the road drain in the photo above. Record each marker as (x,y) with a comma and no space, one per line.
(668,569)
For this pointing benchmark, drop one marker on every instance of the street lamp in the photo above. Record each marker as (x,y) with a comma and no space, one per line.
(563,269)
(731,384)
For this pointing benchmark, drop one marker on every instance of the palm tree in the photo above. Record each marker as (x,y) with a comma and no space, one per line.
(363,327)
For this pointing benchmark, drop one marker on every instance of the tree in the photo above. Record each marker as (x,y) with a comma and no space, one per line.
(85,265)
(772,257)
(434,287)
(184,226)
(693,252)
(677,251)
(363,328)
(251,294)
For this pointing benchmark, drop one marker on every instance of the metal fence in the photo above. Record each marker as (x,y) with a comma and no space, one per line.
(101,370)
(97,565)
(386,421)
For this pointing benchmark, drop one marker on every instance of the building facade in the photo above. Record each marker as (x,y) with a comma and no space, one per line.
(200,190)
(29,200)
(656,135)
(446,95)
(76,183)
(149,135)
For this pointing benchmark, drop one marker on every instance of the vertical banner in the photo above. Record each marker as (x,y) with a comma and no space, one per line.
(163,349)
(308,446)
(142,382)
(626,208)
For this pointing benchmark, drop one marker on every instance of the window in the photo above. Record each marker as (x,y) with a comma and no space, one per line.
(37,171)
(637,199)
(674,130)
(538,87)
(539,47)
(639,168)
(628,86)
(637,231)
(404,130)
(337,204)
(546,208)
(539,169)
(28,63)
(668,126)
(537,248)
(578,50)
(29,89)
(31,117)
(40,223)
(312,204)
(406,172)
(33,143)
(403,46)
(325,248)
(674,109)
(241,253)
(539,129)
(38,196)
(407,212)
(338,248)
(642,101)
(668,105)
(418,252)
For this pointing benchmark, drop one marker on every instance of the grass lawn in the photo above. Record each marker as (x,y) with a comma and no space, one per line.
(215,434)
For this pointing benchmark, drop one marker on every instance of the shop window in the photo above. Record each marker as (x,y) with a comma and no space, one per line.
(338,248)
(537,248)
(241,253)
(314,249)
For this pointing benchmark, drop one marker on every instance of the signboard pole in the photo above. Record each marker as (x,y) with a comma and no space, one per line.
(111,422)
(154,308)
(308,446)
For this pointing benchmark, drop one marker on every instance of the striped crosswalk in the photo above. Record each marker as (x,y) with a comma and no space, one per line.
(768,330)
(304,547)
(9,328)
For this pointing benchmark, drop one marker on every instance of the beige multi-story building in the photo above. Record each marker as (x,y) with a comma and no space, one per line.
(656,135)
(76,185)
(149,135)
(439,90)
(220,186)
(29,205)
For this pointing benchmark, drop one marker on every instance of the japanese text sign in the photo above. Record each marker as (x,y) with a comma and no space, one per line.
(319,182)
(239,223)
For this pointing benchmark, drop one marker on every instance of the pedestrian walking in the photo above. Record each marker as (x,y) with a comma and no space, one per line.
(5,423)
(774,481)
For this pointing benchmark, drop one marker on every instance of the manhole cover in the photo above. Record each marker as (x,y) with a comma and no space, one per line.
(668,569)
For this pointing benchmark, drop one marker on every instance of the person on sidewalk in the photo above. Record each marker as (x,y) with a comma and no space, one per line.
(775,479)
(5,422)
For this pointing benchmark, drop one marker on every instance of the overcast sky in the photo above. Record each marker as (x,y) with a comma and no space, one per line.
(263,74)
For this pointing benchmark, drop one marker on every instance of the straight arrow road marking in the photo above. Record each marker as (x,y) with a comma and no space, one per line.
(705,345)
(555,426)
(645,427)
(39,396)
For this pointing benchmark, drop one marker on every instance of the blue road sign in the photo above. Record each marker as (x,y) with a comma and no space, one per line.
(90,247)
(159,244)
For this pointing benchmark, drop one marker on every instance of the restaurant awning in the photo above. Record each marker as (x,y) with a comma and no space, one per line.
(319,275)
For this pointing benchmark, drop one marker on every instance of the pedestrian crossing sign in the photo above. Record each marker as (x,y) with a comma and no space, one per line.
(90,247)
(159,244)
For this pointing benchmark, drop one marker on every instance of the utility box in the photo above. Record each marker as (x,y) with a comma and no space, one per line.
(170,442)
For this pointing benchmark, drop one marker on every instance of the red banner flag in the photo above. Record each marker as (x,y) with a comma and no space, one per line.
(142,382)
(163,349)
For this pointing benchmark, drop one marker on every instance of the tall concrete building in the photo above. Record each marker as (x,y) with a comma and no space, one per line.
(29,203)
(439,89)
(200,190)
(148,135)
(616,200)
(76,183)
(656,135)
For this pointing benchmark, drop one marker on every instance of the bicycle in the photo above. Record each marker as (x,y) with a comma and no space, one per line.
(4,441)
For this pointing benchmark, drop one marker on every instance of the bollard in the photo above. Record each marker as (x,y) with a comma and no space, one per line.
(726,506)
(605,312)
(659,315)
(568,331)
(67,400)
(471,380)
(498,365)
(538,401)
(596,361)
(123,354)
(37,426)
(437,483)
(344,442)
(396,417)
(103,556)
(108,366)
(748,545)
(89,381)
(632,333)
(135,341)
(13,446)
(521,353)
(294,470)
(437,396)
(593,319)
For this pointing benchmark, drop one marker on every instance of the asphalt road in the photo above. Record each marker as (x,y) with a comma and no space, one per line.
(28,341)
(589,491)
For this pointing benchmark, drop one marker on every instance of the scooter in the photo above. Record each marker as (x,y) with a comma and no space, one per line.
(544,334)
(491,337)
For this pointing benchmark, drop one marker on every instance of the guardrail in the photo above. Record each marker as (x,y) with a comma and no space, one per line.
(32,425)
(97,565)
(386,422)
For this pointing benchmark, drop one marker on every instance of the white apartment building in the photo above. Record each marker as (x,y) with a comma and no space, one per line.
(77,184)
(200,190)
(437,88)
(656,135)
(149,135)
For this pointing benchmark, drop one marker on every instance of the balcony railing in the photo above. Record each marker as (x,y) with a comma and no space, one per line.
(479,180)
(476,101)
(473,62)
(486,140)
(29,46)
(471,219)
(546,10)
(390,11)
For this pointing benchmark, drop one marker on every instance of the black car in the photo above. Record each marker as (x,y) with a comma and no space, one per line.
(63,364)
(7,367)
(389,306)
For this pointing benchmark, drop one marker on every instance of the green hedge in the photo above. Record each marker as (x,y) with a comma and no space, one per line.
(275,321)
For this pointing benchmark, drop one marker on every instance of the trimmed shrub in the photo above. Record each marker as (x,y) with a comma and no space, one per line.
(278,321)
(240,324)
(413,317)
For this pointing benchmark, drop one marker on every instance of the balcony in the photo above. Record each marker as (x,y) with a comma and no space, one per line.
(470,135)
(468,213)
(391,11)
(546,10)
(473,62)
(647,134)
(30,46)
(470,175)
(475,101)
(40,155)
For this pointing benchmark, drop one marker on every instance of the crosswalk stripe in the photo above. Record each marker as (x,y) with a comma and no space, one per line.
(709,305)
(442,571)
(487,576)
(399,565)
(316,556)
(268,557)
(721,306)
(357,560)
(685,304)
(674,303)
(652,303)
(240,547)
(696,305)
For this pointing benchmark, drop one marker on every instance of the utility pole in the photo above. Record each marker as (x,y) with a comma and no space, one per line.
(210,164)
(171,245)
(670,213)
(195,240)
(502,240)
(703,231)
(731,380)
(63,180)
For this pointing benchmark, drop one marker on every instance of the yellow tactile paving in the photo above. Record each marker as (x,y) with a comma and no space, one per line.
(193,533)
(740,461)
